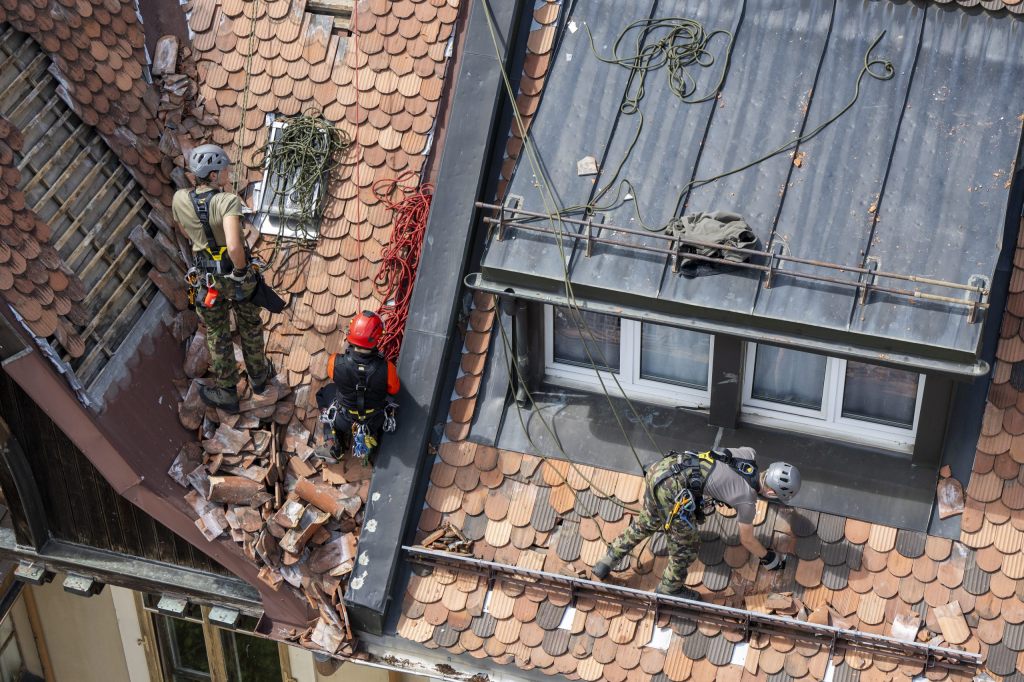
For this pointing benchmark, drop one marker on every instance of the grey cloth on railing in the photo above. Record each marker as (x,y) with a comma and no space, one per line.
(722,228)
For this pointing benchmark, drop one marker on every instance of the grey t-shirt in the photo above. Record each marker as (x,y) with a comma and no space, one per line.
(727,486)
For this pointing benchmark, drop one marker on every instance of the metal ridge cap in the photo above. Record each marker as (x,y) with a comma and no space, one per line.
(934,656)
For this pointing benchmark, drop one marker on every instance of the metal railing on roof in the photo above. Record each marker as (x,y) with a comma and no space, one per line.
(748,622)
(679,249)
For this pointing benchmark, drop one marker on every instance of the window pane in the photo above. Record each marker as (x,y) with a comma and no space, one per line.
(251,659)
(601,333)
(788,376)
(10,659)
(880,394)
(679,356)
(187,648)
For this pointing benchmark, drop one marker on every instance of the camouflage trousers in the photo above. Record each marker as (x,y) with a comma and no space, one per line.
(223,366)
(683,543)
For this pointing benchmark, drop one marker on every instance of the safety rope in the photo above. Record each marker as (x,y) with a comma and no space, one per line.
(685,45)
(397,273)
(543,185)
(682,48)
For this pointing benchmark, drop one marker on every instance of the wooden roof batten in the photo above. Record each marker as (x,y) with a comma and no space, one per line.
(749,622)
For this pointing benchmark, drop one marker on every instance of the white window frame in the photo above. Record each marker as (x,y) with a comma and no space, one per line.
(272,223)
(659,392)
(827,421)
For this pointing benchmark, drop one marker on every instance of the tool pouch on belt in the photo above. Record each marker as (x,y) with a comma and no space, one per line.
(265,297)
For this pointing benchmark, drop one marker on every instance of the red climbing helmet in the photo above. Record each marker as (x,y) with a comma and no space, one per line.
(365,330)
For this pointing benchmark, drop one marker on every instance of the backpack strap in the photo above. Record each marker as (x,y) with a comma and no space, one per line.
(201,203)
(744,467)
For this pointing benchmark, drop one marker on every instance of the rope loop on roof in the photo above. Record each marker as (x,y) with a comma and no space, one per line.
(683,46)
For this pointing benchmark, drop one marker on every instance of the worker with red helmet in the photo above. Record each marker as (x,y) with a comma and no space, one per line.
(358,402)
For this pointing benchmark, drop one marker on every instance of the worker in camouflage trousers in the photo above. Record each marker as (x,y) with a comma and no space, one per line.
(654,516)
(222,277)
(682,489)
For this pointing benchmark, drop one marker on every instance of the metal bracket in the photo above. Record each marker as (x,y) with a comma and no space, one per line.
(31,572)
(977,298)
(867,280)
(172,606)
(773,264)
(82,585)
(512,205)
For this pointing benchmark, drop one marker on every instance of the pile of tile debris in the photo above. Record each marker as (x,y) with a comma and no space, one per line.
(253,475)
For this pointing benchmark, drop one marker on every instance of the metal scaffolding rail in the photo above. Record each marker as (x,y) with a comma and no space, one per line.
(749,622)
(679,249)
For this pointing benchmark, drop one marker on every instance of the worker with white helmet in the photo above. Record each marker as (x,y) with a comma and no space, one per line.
(682,489)
(221,278)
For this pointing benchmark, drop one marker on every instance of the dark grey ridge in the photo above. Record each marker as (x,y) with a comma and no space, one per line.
(430,327)
(914,179)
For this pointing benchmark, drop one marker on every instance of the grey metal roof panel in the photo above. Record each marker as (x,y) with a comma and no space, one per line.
(942,211)
(577,121)
(774,65)
(668,124)
(930,149)
(826,211)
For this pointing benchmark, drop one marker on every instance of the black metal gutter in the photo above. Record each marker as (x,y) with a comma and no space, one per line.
(134,573)
(798,337)
(430,329)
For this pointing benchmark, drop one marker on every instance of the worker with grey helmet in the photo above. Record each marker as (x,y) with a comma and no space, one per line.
(682,488)
(222,275)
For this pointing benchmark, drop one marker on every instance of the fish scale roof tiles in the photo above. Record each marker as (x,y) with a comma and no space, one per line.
(381,85)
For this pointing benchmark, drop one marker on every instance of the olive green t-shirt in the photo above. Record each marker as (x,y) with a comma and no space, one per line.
(223,204)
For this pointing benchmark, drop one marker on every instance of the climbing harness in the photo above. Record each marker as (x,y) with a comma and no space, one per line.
(693,469)
(210,260)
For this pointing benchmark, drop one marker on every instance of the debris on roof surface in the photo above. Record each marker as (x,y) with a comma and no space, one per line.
(254,476)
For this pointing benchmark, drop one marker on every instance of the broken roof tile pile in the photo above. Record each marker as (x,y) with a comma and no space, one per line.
(382,85)
(253,476)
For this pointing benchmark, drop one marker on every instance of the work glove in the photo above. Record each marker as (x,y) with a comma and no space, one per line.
(239,274)
(773,561)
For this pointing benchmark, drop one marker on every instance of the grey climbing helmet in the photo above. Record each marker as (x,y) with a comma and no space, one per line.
(784,479)
(207,158)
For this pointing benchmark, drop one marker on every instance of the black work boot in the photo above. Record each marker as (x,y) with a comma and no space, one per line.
(604,566)
(260,385)
(684,592)
(222,398)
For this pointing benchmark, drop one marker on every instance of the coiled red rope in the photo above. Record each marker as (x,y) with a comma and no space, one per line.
(397,274)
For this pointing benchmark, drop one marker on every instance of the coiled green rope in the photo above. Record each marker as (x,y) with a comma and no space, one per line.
(307,150)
